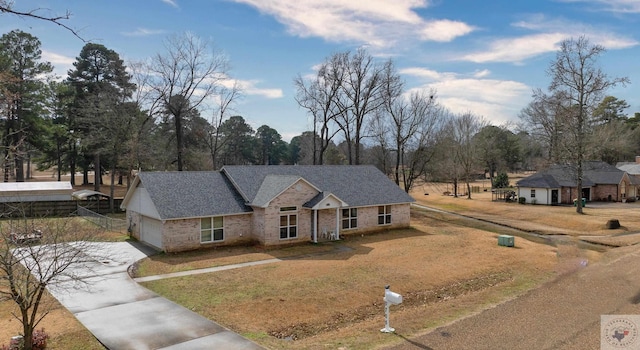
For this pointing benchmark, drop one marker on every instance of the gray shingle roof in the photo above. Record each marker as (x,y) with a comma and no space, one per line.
(361,185)
(271,187)
(632,168)
(556,176)
(183,194)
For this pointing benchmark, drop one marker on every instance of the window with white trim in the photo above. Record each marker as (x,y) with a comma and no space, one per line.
(212,229)
(384,215)
(533,193)
(349,218)
(288,222)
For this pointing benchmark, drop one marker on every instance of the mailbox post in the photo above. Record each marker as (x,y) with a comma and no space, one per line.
(390,298)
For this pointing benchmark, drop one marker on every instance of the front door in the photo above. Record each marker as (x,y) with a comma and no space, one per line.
(554,197)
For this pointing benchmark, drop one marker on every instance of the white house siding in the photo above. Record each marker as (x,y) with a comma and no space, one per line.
(151,232)
(184,234)
(141,203)
(133,220)
(296,195)
(543,195)
(139,206)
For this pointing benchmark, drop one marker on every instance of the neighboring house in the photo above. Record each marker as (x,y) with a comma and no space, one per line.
(271,205)
(43,191)
(557,184)
(633,169)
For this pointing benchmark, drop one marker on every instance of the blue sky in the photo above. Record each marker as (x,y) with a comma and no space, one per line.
(480,56)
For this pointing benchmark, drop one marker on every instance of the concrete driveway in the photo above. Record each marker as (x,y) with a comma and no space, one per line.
(123,315)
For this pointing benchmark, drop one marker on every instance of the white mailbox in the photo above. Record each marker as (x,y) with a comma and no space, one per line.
(392,297)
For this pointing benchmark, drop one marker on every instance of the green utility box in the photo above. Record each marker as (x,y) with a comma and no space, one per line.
(584,202)
(505,241)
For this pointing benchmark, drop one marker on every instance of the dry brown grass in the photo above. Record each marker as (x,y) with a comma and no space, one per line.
(64,330)
(333,299)
(325,297)
(445,267)
(535,218)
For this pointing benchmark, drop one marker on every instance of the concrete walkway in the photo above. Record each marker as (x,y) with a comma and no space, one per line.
(205,270)
(123,315)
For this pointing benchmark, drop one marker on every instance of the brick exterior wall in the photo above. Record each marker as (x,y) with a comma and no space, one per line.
(296,195)
(181,235)
(602,193)
(263,224)
(368,219)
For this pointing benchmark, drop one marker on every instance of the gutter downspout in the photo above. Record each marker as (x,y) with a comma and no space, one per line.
(315,226)
(337,223)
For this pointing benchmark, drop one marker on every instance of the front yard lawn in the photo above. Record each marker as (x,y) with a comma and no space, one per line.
(333,298)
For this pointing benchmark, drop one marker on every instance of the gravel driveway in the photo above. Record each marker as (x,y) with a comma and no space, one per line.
(563,314)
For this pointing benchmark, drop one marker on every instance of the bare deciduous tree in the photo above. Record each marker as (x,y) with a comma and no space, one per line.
(323,98)
(363,84)
(7,6)
(576,76)
(191,70)
(543,119)
(224,100)
(29,265)
(463,128)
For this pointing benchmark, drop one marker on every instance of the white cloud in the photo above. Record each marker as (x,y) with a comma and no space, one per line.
(144,32)
(482,73)
(427,73)
(377,23)
(517,49)
(618,6)
(57,59)
(61,64)
(171,3)
(551,32)
(444,30)
(249,87)
(499,101)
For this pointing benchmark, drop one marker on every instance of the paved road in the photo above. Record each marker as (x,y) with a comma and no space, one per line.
(563,314)
(123,315)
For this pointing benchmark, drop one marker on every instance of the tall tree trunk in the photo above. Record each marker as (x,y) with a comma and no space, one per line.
(7,167)
(72,164)
(96,172)
(59,163)
(112,186)
(178,124)
(19,168)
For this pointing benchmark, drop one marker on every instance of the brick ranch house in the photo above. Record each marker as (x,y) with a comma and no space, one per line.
(633,169)
(558,185)
(271,205)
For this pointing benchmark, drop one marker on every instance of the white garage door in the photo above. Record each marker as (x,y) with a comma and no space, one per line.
(151,232)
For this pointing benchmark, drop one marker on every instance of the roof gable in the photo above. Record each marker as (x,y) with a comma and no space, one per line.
(179,194)
(361,185)
(325,200)
(273,186)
